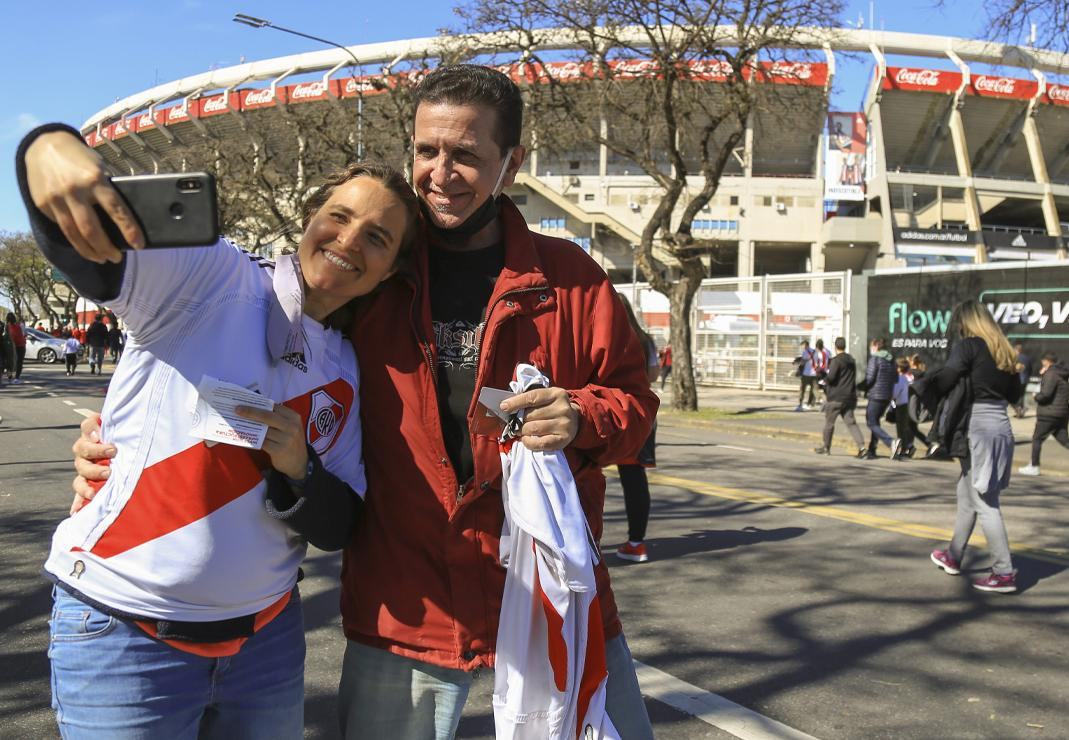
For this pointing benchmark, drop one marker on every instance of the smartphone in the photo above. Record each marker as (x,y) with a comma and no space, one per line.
(173,210)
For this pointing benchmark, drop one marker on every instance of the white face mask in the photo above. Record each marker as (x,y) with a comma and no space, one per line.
(496,191)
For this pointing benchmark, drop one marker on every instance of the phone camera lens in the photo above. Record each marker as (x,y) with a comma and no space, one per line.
(177,210)
(190,185)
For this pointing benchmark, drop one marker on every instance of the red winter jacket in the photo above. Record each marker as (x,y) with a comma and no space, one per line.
(421,575)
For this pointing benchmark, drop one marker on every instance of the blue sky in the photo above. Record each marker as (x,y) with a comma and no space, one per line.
(63,61)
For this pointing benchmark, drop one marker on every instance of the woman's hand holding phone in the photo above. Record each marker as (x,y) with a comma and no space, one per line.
(66,179)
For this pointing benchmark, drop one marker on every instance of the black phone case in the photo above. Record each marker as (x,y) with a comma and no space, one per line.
(170,213)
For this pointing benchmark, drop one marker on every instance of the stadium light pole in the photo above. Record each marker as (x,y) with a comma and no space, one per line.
(254,22)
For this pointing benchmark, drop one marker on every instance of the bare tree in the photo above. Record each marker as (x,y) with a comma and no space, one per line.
(30,282)
(1012,21)
(666,86)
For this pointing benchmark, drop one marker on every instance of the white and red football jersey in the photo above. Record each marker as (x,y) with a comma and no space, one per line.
(179,531)
(550,674)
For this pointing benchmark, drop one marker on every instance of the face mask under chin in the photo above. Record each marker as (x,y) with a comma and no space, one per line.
(478,220)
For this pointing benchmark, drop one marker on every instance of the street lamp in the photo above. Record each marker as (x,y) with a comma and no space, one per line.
(254,22)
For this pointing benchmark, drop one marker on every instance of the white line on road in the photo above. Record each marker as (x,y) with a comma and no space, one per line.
(712,709)
(69,403)
(54,395)
(38,387)
(85,412)
(733,447)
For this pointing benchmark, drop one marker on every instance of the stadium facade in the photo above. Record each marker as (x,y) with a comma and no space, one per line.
(942,163)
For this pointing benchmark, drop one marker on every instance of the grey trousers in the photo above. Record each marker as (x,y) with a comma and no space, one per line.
(832,411)
(973,505)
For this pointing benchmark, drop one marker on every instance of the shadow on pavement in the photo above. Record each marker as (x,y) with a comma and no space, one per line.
(709,540)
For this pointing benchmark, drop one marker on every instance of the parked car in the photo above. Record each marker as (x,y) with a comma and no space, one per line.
(44,347)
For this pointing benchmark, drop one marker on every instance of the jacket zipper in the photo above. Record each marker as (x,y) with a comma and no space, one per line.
(479,330)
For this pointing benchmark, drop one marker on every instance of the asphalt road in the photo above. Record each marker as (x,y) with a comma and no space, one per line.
(794,585)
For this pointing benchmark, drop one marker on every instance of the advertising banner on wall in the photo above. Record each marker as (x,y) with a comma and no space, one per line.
(912,310)
(935,242)
(844,158)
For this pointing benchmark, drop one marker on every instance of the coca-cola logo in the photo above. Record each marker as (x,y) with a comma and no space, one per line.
(145,121)
(919,77)
(177,113)
(715,68)
(566,70)
(260,97)
(1058,93)
(794,70)
(119,128)
(308,90)
(214,105)
(635,68)
(353,86)
(996,85)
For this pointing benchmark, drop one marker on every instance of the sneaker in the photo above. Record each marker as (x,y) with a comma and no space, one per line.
(867,455)
(799,408)
(896,445)
(862,453)
(1001,584)
(822,450)
(634,553)
(806,407)
(942,559)
(1029,470)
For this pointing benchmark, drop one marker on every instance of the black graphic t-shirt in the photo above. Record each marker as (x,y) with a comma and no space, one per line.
(460,287)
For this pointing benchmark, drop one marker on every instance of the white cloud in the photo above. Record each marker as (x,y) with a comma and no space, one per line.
(14,128)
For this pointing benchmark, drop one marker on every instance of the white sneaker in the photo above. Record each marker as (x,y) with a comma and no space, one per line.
(806,407)
(1029,470)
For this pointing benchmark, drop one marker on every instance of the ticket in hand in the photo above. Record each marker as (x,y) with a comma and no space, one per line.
(214,418)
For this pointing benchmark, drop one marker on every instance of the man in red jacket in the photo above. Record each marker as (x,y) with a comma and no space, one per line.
(421,580)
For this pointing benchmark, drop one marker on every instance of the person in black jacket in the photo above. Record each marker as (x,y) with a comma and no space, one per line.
(880,376)
(982,361)
(1052,409)
(841,391)
(96,336)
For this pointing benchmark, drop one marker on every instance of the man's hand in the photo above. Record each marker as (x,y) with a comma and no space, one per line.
(88,452)
(551,421)
(285,440)
(66,179)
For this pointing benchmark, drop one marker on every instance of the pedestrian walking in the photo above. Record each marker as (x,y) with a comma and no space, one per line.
(1052,409)
(665,360)
(115,339)
(879,386)
(841,388)
(176,610)
(632,473)
(18,342)
(807,374)
(7,352)
(1023,365)
(982,357)
(821,360)
(96,338)
(71,349)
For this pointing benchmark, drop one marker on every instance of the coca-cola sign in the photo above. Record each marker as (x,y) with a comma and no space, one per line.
(177,113)
(791,70)
(145,121)
(994,85)
(308,91)
(924,80)
(1058,94)
(258,98)
(213,105)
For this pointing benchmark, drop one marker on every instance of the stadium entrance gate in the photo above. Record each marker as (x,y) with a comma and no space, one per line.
(746,331)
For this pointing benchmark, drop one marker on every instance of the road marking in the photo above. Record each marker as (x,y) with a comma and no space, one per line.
(54,395)
(1059,556)
(733,447)
(37,387)
(69,403)
(85,412)
(712,709)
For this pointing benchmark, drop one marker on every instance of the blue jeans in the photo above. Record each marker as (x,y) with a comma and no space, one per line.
(874,411)
(111,680)
(386,695)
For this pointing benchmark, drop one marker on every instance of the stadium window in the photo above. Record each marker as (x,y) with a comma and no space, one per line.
(766,201)
(787,201)
(573,164)
(588,196)
(734,200)
(520,200)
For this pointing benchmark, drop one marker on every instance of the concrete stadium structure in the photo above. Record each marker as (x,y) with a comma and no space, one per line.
(945,162)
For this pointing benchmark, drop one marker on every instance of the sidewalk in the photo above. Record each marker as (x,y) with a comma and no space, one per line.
(772,414)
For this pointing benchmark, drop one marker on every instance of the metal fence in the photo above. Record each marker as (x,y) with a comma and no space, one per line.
(746,332)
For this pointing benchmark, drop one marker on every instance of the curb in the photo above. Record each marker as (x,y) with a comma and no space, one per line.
(815,438)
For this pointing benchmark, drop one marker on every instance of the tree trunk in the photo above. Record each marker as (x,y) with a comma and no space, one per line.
(680,301)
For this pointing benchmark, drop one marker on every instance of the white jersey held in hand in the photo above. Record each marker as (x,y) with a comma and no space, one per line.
(550,676)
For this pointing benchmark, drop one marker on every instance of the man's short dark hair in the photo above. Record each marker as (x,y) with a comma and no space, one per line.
(473,84)
(1051,358)
(840,344)
(878,342)
(805,342)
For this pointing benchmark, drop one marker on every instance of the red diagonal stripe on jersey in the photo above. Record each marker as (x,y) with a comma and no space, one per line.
(595,670)
(180,490)
(193,483)
(556,645)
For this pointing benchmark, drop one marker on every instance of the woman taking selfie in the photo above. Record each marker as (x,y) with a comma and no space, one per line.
(176,609)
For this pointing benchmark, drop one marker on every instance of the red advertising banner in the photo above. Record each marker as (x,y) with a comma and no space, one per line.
(921,80)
